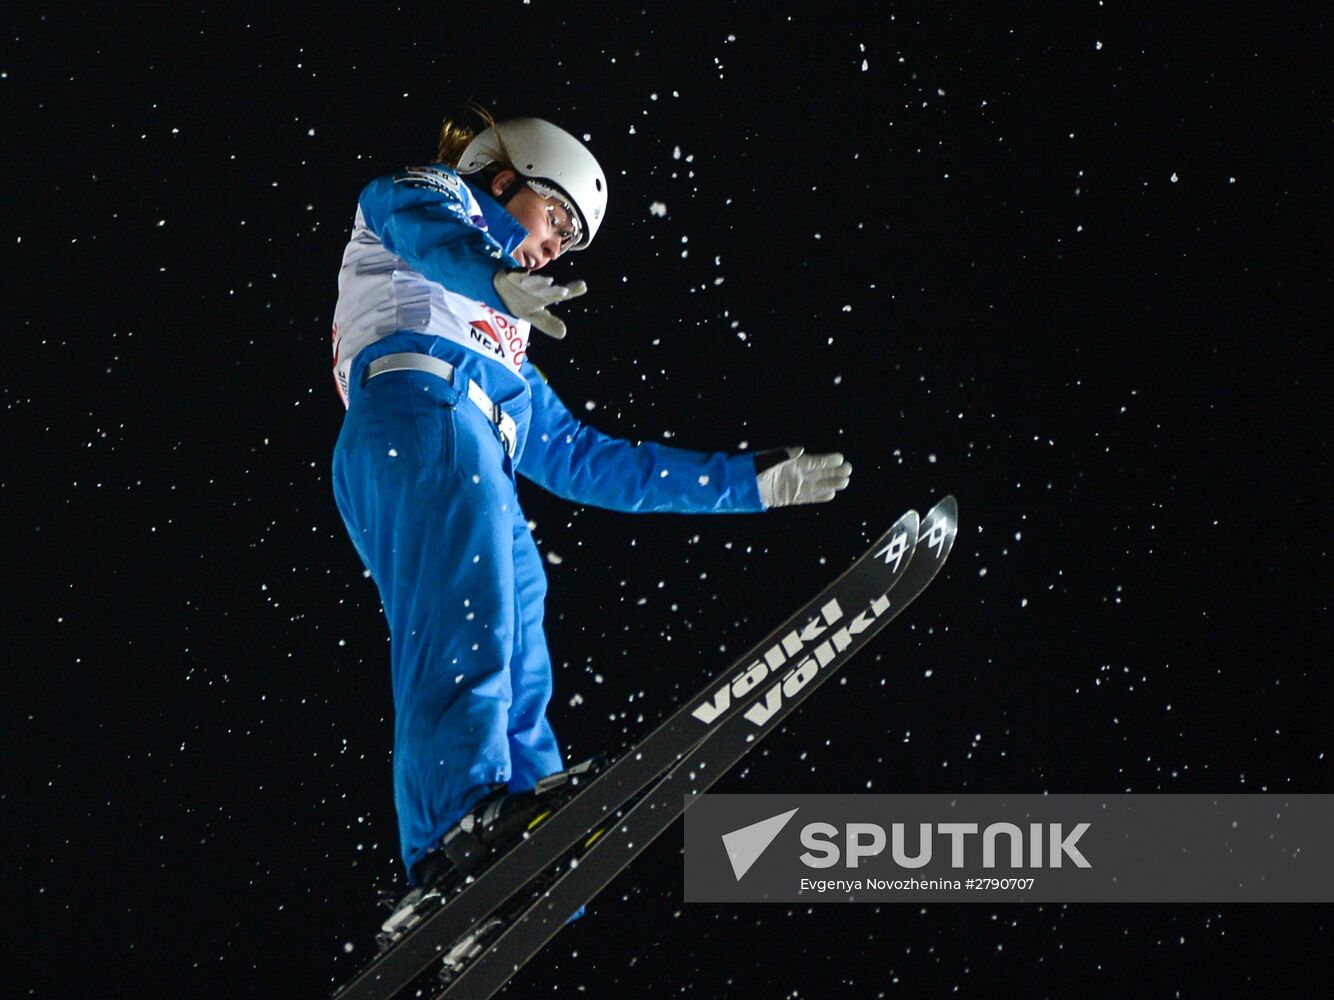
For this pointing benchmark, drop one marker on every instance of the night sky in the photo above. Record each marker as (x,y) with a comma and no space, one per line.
(1061,261)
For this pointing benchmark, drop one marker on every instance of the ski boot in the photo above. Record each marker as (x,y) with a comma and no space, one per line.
(498,822)
(491,827)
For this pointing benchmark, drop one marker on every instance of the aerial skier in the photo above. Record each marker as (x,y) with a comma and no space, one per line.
(437,296)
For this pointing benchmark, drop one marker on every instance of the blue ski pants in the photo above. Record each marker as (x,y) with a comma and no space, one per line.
(428,496)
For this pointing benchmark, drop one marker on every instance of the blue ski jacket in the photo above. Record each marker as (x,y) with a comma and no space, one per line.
(425,247)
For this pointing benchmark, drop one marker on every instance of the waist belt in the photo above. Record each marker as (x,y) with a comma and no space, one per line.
(410,361)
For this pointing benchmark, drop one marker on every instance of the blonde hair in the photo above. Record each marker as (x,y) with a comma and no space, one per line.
(454,139)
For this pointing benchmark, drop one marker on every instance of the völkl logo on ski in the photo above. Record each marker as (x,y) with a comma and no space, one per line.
(786,649)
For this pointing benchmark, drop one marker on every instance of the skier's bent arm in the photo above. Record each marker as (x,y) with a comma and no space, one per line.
(420,215)
(582,464)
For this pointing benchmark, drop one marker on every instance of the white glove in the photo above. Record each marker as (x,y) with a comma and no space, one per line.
(789,475)
(528,295)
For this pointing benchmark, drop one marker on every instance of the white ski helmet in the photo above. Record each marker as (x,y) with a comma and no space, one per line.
(542,152)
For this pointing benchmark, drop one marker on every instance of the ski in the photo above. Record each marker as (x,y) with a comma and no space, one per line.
(747,686)
(504,946)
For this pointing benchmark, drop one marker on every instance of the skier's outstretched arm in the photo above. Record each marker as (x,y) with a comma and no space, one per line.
(580,463)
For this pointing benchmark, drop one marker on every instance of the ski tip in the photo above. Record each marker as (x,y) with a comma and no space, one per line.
(947,507)
(909,521)
(939,527)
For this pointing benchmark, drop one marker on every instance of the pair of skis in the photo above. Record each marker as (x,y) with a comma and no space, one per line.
(482,932)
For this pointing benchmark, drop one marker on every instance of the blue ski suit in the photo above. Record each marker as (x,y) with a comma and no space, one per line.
(426,488)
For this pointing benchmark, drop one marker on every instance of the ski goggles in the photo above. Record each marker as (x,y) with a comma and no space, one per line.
(562,216)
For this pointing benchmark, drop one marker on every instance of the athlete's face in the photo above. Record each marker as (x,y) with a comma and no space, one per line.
(547,220)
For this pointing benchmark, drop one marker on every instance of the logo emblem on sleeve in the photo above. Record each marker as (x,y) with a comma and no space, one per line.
(431,178)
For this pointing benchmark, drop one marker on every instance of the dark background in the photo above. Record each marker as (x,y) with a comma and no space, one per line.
(1076,286)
